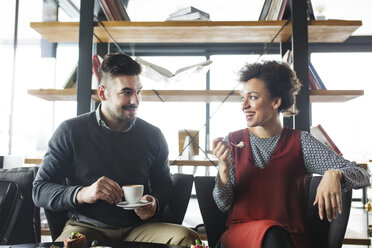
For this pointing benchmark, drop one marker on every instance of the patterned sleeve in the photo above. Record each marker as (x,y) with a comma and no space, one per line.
(318,159)
(224,195)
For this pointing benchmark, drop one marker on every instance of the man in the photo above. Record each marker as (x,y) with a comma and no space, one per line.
(91,156)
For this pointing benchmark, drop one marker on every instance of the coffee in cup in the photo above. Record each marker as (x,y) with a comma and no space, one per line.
(133,193)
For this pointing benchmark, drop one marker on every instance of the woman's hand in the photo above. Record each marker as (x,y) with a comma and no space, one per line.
(328,195)
(221,150)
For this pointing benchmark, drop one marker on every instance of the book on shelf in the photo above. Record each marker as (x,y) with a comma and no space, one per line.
(72,9)
(310,10)
(320,134)
(188,14)
(122,10)
(282,9)
(97,60)
(72,78)
(188,10)
(157,72)
(273,10)
(317,79)
(189,17)
(115,10)
(312,84)
(265,10)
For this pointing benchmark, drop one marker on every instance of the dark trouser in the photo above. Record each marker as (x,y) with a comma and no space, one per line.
(277,237)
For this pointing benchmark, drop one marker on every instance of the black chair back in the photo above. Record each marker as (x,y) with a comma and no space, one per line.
(10,204)
(27,227)
(173,212)
(322,233)
(214,220)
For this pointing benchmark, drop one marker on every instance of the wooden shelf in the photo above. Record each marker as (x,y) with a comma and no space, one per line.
(356,238)
(59,94)
(197,31)
(193,163)
(195,95)
(334,95)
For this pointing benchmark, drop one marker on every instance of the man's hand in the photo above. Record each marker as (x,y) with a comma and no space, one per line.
(148,211)
(221,150)
(328,195)
(103,189)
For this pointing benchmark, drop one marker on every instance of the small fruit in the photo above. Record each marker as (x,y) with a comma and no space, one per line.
(199,244)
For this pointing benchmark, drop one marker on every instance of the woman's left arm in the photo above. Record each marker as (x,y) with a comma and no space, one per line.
(318,159)
(338,173)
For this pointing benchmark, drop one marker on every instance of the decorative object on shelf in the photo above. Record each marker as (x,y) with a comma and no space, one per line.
(158,73)
(368,206)
(369,231)
(188,146)
(320,134)
(188,14)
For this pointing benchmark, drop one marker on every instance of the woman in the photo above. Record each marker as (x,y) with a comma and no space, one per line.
(262,169)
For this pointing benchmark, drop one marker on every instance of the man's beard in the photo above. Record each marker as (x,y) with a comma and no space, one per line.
(132,116)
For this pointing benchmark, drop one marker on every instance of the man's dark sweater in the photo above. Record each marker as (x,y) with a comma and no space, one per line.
(81,151)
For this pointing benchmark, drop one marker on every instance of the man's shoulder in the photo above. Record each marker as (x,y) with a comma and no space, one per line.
(79,121)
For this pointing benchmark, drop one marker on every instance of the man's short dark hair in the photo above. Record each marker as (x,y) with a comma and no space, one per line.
(116,64)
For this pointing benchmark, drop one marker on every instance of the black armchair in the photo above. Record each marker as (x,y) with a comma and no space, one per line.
(323,234)
(27,226)
(174,212)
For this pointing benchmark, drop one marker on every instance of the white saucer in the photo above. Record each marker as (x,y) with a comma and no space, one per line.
(131,206)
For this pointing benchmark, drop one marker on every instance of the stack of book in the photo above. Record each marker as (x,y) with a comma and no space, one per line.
(115,10)
(188,14)
(281,9)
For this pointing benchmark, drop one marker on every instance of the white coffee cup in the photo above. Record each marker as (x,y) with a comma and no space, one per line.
(133,193)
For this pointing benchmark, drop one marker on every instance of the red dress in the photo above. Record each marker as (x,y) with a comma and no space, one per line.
(273,196)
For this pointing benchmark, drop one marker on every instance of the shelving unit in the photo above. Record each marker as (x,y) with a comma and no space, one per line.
(299,31)
(197,31)
(195,95)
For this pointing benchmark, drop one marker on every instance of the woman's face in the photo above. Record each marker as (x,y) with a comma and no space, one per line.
(258,106)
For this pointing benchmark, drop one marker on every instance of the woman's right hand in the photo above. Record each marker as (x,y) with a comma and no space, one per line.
(221,150)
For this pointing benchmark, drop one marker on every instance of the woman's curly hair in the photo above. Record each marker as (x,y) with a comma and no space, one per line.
(280,81)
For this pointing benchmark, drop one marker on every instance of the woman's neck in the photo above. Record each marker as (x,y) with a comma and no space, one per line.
(266,132)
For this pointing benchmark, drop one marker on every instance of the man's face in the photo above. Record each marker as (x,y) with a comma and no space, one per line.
(123,96)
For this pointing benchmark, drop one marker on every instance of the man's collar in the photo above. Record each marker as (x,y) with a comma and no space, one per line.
(102,123)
